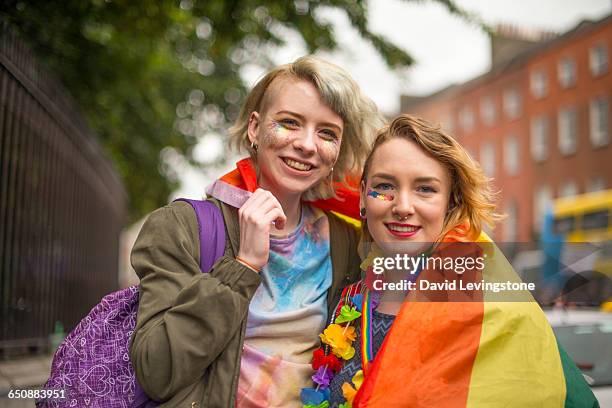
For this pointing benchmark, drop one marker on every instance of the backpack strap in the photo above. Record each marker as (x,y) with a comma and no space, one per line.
(211,228)
(212,232)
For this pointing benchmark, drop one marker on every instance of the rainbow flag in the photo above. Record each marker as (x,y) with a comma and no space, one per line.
(492,352)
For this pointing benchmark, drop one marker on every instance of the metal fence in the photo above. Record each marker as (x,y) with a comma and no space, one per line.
(62,206)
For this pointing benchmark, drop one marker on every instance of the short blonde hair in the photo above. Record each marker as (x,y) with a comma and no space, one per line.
(472,199)
(342,94)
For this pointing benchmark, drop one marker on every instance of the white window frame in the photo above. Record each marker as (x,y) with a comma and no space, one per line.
(511,155)
(538,83)
(448,123)
(467,120)
(488,113)
(596,183)
(567,129)
(542,200)
(568,189)
(487,158)
(472,152)
(599,121)
(512,103)
(539,135)
(566,71)
(598,59)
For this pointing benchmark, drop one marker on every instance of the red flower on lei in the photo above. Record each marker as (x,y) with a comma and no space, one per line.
(319,359)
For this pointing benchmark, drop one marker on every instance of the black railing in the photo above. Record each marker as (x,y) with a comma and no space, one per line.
(62,206)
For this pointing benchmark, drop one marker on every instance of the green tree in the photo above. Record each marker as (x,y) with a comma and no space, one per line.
(151,74)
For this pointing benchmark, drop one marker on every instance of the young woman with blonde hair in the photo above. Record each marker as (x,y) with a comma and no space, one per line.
(242,334)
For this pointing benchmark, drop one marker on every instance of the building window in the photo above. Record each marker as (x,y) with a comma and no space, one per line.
(542,202)
(511,155)
(512,103)
(598,59)
(448,123)
(599,121)
(487,158)
(568,130)
(596,183)
(567,72)
(466,119)
(511,222)
(539,83)
(539,138)
(472,152)
(568,189)
(487,111)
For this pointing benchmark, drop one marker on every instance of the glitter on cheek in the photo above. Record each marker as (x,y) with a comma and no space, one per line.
(281,131)
(328,150)
(380,196)
(277,135)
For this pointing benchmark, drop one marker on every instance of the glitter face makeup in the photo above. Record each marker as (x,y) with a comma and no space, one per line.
(380,196)
(279,129)
(277,134)
(419,186)
(329,150)
(298,138)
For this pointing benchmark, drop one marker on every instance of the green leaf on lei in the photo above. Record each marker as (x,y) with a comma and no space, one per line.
(324,404)
(347,314)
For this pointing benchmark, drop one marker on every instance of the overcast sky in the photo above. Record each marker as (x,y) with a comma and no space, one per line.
(446,48)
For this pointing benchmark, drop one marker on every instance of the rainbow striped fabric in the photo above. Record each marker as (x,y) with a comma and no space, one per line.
(493,352)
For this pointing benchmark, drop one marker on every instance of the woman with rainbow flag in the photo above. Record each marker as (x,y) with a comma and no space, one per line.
(242,334)
(423,198)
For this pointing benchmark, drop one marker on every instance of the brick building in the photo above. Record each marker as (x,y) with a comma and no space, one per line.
(538,122)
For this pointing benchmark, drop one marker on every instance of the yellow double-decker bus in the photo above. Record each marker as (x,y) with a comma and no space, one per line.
(584,218)
(578,234)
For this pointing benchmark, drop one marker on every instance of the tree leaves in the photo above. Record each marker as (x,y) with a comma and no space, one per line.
(130,65)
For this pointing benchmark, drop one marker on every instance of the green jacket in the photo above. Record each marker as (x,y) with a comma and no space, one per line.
(190,328)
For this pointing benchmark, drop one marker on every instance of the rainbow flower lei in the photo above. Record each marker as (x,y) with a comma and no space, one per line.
(337,340)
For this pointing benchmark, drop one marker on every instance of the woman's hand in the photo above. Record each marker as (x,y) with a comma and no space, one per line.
(256,216)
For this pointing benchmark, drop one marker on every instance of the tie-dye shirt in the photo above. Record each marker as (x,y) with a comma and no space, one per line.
(286,314)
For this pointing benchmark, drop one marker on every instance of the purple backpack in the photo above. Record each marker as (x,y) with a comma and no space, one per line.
(93,363)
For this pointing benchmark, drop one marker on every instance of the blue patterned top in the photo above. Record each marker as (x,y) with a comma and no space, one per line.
(381,323)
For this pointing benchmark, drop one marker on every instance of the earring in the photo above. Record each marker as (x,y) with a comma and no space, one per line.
(362,212)
(331,175)
(254,146)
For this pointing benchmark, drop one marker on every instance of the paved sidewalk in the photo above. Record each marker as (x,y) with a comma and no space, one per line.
(22,374)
